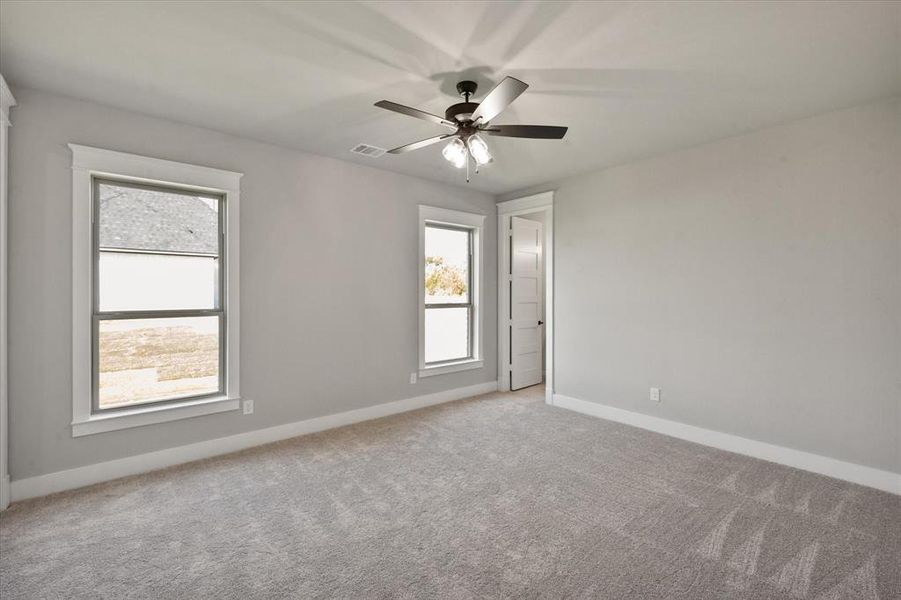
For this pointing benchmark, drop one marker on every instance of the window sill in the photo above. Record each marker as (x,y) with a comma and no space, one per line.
(149,415)
(463,365)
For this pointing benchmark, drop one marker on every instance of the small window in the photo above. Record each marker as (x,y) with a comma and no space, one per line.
(449,314)
(159,319)
(448,301)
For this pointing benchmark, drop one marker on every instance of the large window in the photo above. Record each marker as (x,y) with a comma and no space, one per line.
(158,311)
(449,319)
(154,290)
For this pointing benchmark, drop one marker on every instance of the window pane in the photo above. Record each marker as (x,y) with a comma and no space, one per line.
(446,266)
(446,334)
(145,360)
(134,218)
(140,281)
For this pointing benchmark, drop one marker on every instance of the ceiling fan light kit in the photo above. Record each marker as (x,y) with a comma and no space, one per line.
(469,119)
(478,149)
(455,153)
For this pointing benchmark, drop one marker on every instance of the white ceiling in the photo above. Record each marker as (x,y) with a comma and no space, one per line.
(629,79)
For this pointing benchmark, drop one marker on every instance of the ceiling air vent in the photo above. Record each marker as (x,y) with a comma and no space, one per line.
(367,150)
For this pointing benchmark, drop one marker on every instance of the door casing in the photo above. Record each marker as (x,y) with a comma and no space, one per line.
(543,202)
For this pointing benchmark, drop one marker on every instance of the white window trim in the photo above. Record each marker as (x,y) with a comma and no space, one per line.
(476,222)
(86,163)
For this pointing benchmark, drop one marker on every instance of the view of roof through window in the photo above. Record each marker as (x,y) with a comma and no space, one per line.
(135,218)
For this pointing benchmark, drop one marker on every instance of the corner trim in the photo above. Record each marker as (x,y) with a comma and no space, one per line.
(59,481)
(4,492)
(7,101)
(806,461)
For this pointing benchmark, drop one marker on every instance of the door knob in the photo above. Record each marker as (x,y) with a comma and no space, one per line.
(541,322)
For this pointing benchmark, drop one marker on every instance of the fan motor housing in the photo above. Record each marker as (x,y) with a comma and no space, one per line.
(461,111)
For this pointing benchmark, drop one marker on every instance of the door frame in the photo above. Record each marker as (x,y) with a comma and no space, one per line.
(543,202)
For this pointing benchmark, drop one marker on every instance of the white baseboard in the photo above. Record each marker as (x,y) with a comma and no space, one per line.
(868,476)
(132,465)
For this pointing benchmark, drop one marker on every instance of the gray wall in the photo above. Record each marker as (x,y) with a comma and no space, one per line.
(756,280)
(328,281)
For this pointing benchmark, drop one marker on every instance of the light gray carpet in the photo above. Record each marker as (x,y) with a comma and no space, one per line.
(495,497)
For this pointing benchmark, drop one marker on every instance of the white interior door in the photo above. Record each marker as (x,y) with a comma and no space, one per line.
(525,302)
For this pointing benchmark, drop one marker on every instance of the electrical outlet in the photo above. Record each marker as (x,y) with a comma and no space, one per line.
(655,395)
(248,407)
(412,377)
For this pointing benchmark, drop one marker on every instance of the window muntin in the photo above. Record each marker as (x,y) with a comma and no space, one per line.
(158,319)
(448,293)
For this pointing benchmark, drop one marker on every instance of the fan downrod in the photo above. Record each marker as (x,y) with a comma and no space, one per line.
(467,89)
(461,112)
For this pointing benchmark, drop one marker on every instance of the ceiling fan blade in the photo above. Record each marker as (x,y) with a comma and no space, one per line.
(420,144)
(414,112)
(499,98)
(541,132)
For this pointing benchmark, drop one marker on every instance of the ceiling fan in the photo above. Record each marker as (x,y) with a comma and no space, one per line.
(470,119)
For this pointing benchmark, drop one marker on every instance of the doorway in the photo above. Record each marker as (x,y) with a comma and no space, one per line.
(525,293)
